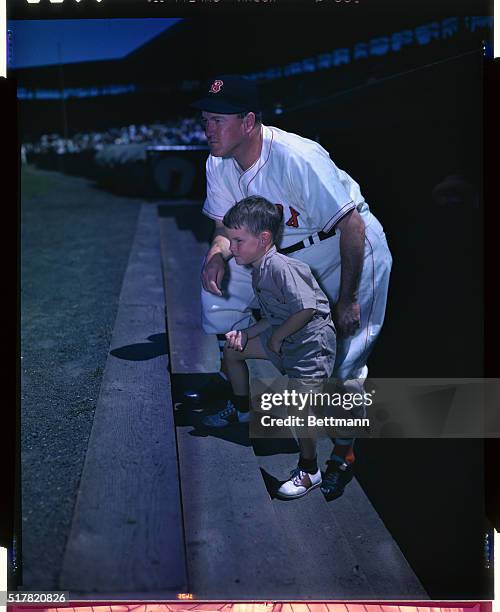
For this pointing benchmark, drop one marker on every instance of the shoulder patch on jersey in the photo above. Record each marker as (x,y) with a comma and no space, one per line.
(294,219)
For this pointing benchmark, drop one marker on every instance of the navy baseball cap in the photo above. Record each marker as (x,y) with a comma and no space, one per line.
(230,94)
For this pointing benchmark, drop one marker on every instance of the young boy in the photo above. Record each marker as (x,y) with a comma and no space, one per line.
(295,332)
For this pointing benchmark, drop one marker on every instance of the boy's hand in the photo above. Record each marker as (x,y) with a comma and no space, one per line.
(274,343)
(237,340)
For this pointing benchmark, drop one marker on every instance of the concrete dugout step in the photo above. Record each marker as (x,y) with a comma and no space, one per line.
(239,540)
(352,554)
(191,351)
(234,545)
(127,533)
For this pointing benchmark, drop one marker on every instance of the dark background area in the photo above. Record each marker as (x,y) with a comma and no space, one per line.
(492,324)
(10,473)
(399,125)
(171,70)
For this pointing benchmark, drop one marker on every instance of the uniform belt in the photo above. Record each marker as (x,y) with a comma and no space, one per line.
(307,242)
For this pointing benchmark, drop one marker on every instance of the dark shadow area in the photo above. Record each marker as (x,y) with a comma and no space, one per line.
(272,484)
(151,175)
(189,389)
(196,395)
(236,433)
(430,495)
(189,218)
(264,447)
(421,132)
(156,346)
(186,415)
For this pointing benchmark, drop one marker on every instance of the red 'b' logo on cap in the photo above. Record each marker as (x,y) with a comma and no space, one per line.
(216,86)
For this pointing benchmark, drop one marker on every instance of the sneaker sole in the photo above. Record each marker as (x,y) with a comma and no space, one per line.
(286,497)
(332,496)
(228,424)
(221,426)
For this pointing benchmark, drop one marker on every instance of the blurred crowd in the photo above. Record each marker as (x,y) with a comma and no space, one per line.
(185,131)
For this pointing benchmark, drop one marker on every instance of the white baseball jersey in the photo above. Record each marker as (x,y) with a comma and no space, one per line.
(294,172)
(315,194)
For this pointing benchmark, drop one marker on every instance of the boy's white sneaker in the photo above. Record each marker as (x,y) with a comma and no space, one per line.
(300,484)
(227,416)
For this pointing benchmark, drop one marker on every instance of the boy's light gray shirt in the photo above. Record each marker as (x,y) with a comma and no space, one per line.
(285,286)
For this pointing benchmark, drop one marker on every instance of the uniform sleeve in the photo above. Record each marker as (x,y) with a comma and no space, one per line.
(218,200)
(297,287)
(321,188)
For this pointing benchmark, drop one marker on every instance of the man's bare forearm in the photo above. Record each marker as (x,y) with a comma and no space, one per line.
(220,245)
(352,249)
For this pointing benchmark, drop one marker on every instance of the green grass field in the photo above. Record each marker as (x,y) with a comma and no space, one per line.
(35,183)
(75,245)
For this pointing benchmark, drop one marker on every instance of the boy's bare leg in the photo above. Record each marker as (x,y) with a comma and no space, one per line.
(236,367)
(308,443)
(307,446)
(307,476)
(238,407)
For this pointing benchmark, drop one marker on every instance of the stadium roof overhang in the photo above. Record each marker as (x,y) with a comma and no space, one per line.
(196,49)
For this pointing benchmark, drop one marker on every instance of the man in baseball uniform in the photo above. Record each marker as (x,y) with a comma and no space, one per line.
(327,224)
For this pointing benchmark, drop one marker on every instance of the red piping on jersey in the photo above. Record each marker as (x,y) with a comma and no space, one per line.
(373,291)
(334,220)
(267,159)
(242,174)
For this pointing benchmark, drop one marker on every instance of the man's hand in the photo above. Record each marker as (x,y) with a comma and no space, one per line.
(347,318)
(237,340)
(213,273)
(274,343)
(347,313)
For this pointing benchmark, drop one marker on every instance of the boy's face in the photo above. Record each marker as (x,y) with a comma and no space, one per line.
(247,248)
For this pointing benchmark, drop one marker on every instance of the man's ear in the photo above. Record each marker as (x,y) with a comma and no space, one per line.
(249,122)
(265,237)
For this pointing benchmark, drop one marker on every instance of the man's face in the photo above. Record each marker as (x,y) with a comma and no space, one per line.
(225,133)
(245,246)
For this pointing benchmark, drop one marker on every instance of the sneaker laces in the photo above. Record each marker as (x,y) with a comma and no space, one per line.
(228,410)
(330,480)
(296,476)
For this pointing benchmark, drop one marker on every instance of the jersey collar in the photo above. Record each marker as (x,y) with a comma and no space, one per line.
(247,177)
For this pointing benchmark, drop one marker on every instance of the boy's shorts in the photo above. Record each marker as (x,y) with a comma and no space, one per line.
(304,354)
